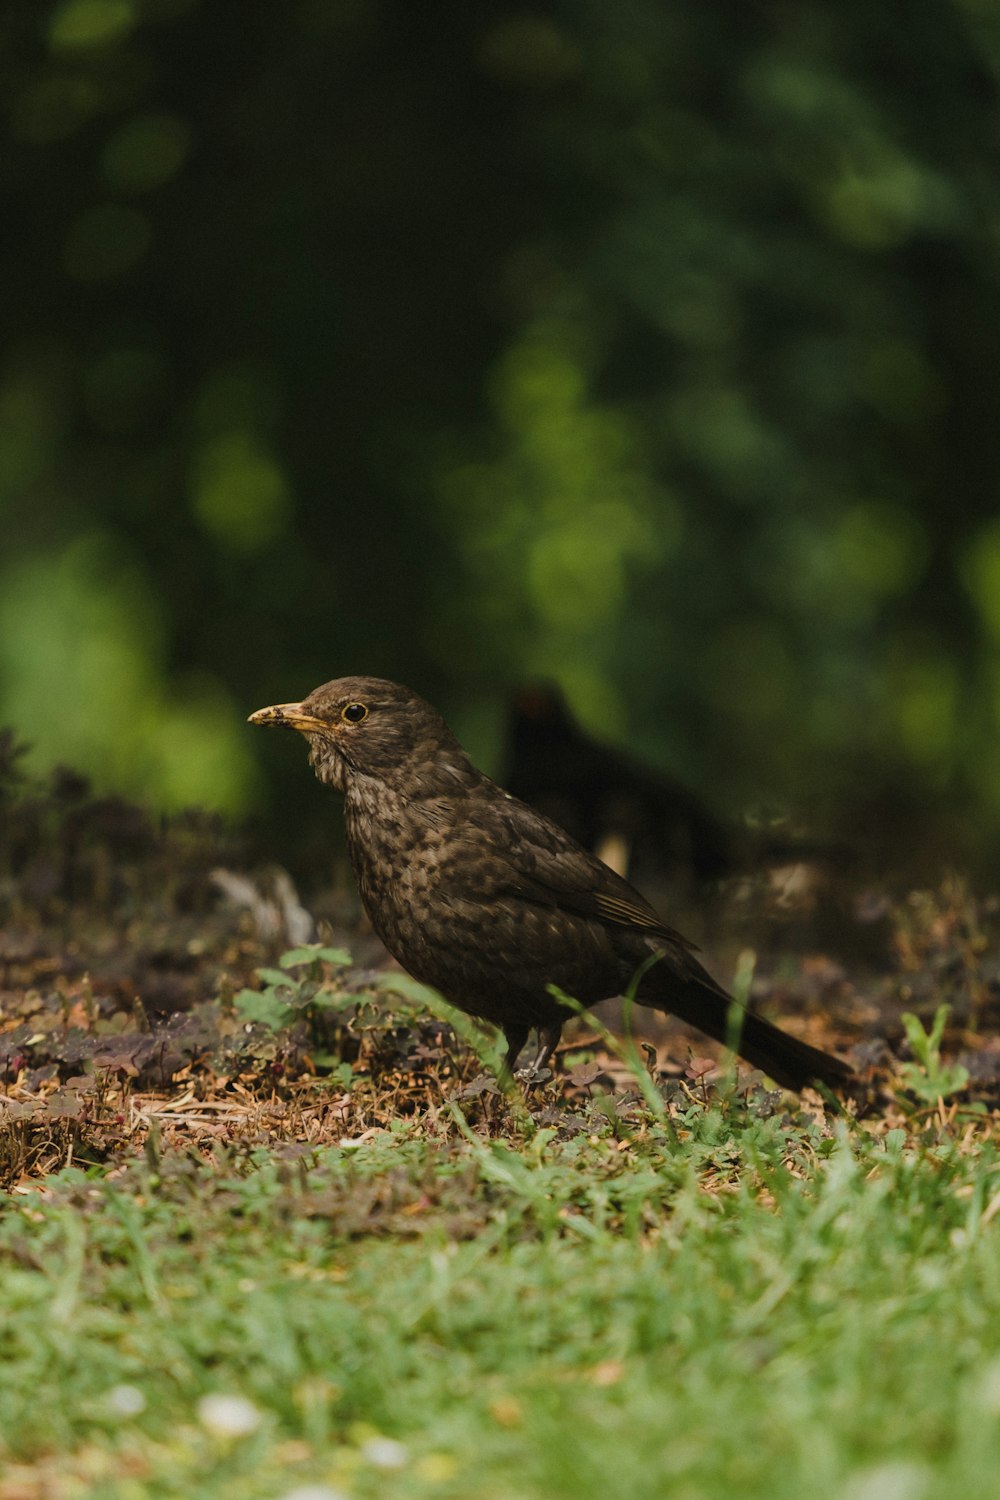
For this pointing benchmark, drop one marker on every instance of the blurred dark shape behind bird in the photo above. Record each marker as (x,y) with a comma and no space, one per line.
(634,816)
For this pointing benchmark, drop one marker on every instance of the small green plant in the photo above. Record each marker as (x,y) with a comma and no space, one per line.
(298,990)
(929,1077)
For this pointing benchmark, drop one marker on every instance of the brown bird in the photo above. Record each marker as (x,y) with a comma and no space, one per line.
(489,901)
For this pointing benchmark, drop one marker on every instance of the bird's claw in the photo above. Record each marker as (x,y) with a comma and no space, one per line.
(530,1075)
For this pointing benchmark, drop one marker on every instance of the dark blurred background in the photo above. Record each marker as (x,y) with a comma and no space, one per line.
(651,349)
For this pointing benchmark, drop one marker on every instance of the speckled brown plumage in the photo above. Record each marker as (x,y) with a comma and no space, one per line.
(480,896)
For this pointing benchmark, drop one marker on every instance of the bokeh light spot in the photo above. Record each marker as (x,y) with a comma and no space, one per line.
(30,425)
(529,50)
(980,569)
(81,657)
(90,23)
(240,493)
(146,152)
(881,547)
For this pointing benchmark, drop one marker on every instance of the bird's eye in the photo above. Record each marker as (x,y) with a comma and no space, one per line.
(354,712)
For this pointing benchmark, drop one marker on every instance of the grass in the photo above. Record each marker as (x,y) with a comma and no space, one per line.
(710,1304)
(268,1234)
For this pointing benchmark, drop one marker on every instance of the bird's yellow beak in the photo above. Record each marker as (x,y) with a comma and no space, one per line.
(287,716)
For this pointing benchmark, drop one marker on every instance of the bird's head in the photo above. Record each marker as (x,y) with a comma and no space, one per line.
(367,727)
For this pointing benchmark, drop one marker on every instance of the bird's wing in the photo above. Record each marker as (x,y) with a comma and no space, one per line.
(630,911)
(544,865)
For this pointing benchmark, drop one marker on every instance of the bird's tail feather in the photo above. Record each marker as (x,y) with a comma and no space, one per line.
(790,1062)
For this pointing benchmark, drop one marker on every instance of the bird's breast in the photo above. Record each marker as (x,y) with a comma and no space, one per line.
(403,861)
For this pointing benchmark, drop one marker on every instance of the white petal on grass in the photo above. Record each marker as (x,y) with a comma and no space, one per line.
(313,1492)
(897,1479)
(989,1387)
(228,1416)
(125,1401)
(385,1453)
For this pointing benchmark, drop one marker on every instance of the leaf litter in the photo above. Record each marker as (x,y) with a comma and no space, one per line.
(159,981)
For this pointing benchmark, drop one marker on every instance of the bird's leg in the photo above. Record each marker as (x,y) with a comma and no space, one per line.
(548,1041)
(515,1036)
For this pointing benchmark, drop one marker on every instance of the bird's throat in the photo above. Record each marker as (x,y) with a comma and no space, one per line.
(328,763)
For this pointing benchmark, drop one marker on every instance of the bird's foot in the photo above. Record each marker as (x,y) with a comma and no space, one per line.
(532,1075)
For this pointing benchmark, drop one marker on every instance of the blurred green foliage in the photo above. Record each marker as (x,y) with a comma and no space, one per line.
(653,348)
